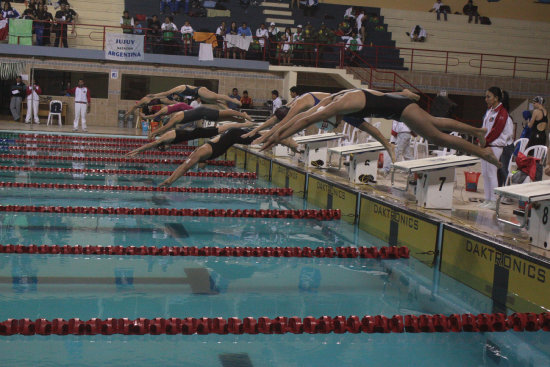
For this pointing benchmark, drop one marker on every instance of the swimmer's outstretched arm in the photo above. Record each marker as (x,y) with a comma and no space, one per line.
(177,89)
(177,117)
(137,105)
(164,139)
(162,111)
(267,124)
(201,153)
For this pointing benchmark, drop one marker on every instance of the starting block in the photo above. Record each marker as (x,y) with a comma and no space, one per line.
(316,153)
(434,189)
(281,151)
(536,196)
(363,166)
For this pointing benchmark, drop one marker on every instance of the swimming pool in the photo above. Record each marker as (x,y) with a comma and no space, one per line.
(111,286)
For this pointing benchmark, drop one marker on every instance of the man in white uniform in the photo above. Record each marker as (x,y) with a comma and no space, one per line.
(33,102)
(82,104)
(276,100)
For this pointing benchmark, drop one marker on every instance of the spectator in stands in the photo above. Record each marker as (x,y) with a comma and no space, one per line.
(273,32)
(298,44)
(471,11)
(46,16)
(439,8)
(324,38)
(234,95)
(33,5)
(344,30)
(33,100)
(297,2)
(8,12)
(310,7)
(417,34)
(42,17)
(262,34)
(63,19)
(310,39)
(294,92)
(29,13)
(246,101)
(187,37)
(349,15)
(360,24)
(74,14)
(220,33)
(285,50)
(17,93)
(154,33)
(500,130)
(127,23)
(277,103)
(164,4)
(196,102)
(244,31)
(169,31)
(353,46)
(233,30)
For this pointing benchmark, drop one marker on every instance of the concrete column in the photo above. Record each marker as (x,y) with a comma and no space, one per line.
(290,80)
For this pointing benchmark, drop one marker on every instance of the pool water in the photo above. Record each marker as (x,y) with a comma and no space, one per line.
(88,286)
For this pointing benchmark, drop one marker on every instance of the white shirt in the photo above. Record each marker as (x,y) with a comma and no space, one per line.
(359,43)
(349,13)
(400,127)
(277,103)
(33,96)
(131,21)
(437,6)
(260,33)
(81,94)
(359,20)
(274,31)
(220,31)
(195,104)
(186,29)
(422,32)
(506,136)
(168,27)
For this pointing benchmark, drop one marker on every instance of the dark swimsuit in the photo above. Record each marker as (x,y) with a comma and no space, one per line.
(538,137)
(228,138)
(193,92)
(387,106)
(185,134)
(200,113)
(315,99)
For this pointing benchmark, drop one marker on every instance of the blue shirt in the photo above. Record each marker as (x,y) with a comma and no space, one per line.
(244,31)
(233,106)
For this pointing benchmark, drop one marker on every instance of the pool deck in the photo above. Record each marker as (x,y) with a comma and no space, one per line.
(465,214)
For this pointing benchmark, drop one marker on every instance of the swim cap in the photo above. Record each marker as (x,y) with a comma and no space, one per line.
(281,112)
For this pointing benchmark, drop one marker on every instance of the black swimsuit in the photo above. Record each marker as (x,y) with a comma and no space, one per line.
(228,138)
(200,113)
(185,134)
(193,92)
(538,137)
(387,106)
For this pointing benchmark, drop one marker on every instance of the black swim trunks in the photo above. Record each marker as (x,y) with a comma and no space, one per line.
(228,138)
(200,113)
(388,106)
(185,134)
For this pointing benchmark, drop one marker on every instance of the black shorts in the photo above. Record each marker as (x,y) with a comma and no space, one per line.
(185,134)
(200,113)
(228,138)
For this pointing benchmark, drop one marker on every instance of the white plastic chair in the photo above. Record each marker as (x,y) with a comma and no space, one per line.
(56,107)
(369,137)
(539,151)
(445,151)
(522,144)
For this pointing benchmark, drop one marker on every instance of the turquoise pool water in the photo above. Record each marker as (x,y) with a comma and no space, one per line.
(87,286)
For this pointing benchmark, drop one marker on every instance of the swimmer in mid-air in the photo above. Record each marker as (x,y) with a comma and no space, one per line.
(361,103)
(215,148)
(206,95)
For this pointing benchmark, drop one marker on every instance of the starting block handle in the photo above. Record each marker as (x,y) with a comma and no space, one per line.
(499,219)
(393,180)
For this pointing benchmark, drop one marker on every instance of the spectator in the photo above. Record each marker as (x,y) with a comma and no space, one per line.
(310,40)
(277,103)
(244,31)
(33,100)
(63,19)
(138,28)
(360,24)
(294,92)
(538,123)
(273,32)
(43,18)
(403,135)
(187,37)
(235,95)
(353,46)
(246,101)
(33,5)
(298,43)
(262,34)
(310,7)
(8,12)
(220,33)
(471,11)
(196,102)
(17,92)
(324,38)
(154,32)
(169,30)
(499,134)
(440,8)
(82,104)
(349,15)
(292,2)
(285,50)
(74,14)
(47,26)
(417,34)
(29,13)
(164,4)
(233,30)
(127,23)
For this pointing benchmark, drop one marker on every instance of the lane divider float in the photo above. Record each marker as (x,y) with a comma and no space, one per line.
(176,147)
(205,190)
(82,137)
(438,323)
(104,171)
(94,151)
(322,214)
(385,253)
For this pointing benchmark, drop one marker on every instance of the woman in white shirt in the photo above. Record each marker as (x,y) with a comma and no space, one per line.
(220,33)
(262,34)
(187,37)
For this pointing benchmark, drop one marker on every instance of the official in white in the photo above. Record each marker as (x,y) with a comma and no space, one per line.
(33,99)
(82,104)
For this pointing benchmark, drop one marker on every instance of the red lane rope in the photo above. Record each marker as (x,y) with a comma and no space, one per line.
(101,171)
(323,214)
(386,253)
(95,151)
(74,137)
(119,145)
(282,325)
(23,157)
(206,190)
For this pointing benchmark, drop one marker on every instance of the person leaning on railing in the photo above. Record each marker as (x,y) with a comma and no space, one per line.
(43,26)
(153,33)
(169,30)
(63,18)
(127,23)
(187,37)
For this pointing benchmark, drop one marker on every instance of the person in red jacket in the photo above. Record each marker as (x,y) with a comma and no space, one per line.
(33,99)
(82,104)
(500,131)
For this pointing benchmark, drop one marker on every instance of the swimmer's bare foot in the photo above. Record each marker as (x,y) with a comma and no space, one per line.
(411,95)
(247,116)
(490,157)
(481,136)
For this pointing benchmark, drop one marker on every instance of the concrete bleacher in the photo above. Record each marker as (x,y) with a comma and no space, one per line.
(506,37)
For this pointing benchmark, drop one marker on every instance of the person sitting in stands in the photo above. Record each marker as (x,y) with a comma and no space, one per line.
(417,34)
(246,101)
(471,11)
(187,37)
